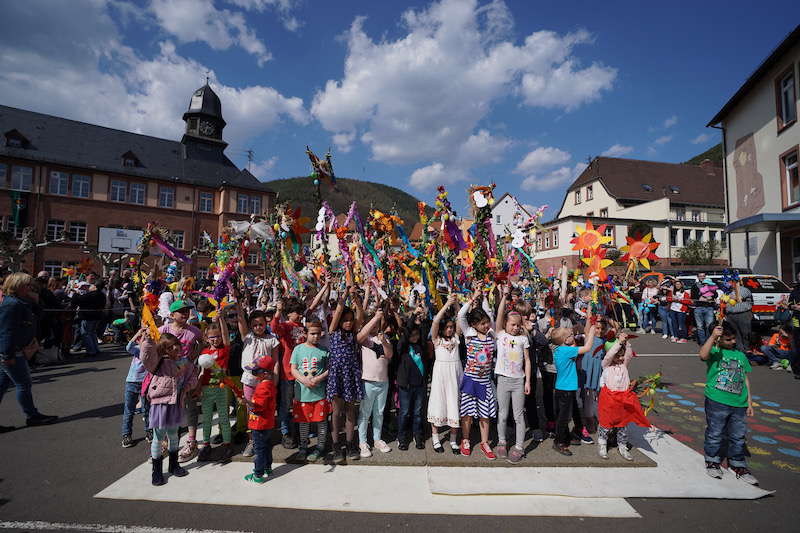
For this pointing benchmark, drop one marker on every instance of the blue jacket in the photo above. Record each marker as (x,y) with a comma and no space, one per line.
(17,326)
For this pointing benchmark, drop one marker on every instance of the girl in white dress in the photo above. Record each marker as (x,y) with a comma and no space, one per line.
(446,379)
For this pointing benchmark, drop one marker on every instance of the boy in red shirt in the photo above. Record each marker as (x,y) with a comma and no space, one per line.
(291,333)
(261,419)
(214,363)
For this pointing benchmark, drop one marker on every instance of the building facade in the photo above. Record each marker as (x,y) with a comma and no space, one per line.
(506,212)
(679,202)
(761,144)
(66,179)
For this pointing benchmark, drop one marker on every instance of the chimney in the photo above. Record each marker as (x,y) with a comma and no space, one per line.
(707,166)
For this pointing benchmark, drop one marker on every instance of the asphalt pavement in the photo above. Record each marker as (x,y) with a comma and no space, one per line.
(51,473)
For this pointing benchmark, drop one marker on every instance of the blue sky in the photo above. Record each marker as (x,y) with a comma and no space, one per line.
(411,94)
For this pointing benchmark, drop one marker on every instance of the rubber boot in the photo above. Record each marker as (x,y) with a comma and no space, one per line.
(175,467)
(158,471)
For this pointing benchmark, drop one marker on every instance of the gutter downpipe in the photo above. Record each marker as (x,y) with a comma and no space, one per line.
(725,188)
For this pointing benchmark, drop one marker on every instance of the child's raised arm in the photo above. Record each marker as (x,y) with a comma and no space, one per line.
(501,311)
(440,315)
(705,350)
(337,315)
(366,330)
(244,328)
(588,342)
(223,329)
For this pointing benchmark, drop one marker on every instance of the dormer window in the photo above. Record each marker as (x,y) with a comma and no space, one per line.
(129,159)
(647,187)
(14,139)
(674,189)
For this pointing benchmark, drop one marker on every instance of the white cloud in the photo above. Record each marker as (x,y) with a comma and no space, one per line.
(617,150)
(553,179)
(199,20)
(61,75)
(263,169)
(430,176)
(664,139)
(701,139)
(283,7)
(671,121)
(420,98)
(540,159)
(344,141)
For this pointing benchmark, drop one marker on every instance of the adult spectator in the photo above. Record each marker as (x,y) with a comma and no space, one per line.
(704,294)
(90,303)
(740,316)
(17,344)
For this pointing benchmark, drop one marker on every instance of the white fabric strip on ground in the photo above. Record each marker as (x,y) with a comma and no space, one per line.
(101,528)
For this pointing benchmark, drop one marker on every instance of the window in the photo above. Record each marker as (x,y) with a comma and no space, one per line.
(128,162)
(555,238)
(687,236)
(547,240)
(609,232)
(81,185)
(786,99)
(674,189)
(14,142)
(252,258)
(680,213)
(59,183)
(791,183)
(673,237)
(590,214)
(589,193)
(22,178)
(695,216)
(166,197)
(498,218)
(77,231)
(577,197)
(53,268)
(55,230)
(206,202)
(723,237)
(255,205)
(242,203)
(177,239)
(604,213)
(712,236)
(539,242)
(202,273)
(698,235)
(3,174)
(138,193)
(119,190)
(11,227)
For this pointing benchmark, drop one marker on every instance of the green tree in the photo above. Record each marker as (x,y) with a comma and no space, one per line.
(700,252)
(639,229)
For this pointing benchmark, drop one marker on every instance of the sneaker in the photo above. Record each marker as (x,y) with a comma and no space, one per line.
(248,449)
(301,456)
(672,339)
(382,446)
(501,451)
(288,442)
(487,451)
(563,450)
(465,449)
(585,437)
(776,366)
(364,449)
(664,336)
(204,453)
(127,442)
(623,451)
(744,474)
(352,451)
(216,440)
(148,435)
(538,435)
(40,420)
(338,454)
(575,440)
(602,448)
(188,452)
(713,470)
(253,478)
(681,341)
(314,455)
(515,455)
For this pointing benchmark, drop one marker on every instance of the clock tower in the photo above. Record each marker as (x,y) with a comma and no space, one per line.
(204,122)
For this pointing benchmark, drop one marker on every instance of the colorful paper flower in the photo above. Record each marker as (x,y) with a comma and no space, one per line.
(596,262)
(588,237)
(639,250)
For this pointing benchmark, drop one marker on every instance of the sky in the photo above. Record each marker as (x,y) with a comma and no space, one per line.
(411,94)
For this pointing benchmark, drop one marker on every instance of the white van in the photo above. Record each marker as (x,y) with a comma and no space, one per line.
(767,292)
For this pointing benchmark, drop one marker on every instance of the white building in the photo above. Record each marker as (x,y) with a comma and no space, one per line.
(760,145)
(680,202)
(505,212)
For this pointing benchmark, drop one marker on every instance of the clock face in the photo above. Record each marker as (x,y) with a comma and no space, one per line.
(207,128)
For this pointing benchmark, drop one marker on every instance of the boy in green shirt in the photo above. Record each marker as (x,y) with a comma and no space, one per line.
(728,400)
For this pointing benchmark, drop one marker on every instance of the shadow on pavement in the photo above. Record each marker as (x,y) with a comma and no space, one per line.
(49,378)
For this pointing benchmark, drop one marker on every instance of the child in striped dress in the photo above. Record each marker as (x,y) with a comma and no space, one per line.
(477,391)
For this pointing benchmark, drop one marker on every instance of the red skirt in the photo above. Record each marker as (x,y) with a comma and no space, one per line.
(311,411)
(616,409)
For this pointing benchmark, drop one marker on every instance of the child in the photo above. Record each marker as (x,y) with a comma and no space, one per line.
(189,338)
(261,420)
(214,393)
(728,400)
(257,342)
(582,306)
(344,386)
(445,378)
(172,378)
(376,354)
(590,371)
(649,305)
(290,334)
(681,299)
(565,357)
(513,370)
(410,384)
(779,347)
(477,392)
(133,392)
(308,366)
(618,404)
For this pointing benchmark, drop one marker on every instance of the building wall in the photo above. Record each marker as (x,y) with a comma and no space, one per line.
(505,209)
(600,200)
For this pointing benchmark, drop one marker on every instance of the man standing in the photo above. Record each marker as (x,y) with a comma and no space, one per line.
(90,303)
(704,294)
(739,314)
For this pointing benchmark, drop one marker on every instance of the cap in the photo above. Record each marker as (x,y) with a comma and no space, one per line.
(177,305)
(43,274)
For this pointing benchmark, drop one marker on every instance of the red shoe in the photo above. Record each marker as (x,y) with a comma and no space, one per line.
(465,449)
(487,451)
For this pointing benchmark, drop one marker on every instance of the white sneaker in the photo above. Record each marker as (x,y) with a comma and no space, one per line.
(714,470)
(623,451)
(364,447)
(673,339)
(382,446)
(745,475)
(602,448)
(776,366)
(664,336)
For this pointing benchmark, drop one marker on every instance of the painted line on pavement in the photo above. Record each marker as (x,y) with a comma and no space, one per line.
(102,528)
(666,354)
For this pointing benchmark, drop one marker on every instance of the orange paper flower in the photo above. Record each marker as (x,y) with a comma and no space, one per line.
(639,250)
(596,262)
(589,238)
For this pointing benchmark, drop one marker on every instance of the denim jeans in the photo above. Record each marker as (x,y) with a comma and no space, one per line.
(19,376)
(775,354)
(411,397)
(285,406)
(133,392)
(678,320)
(373,403)
(666,321)
(703,319)
(88,334)
(649,317)
(262,446)
(725,424)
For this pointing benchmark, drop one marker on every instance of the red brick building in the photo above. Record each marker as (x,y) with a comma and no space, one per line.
(62,177)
